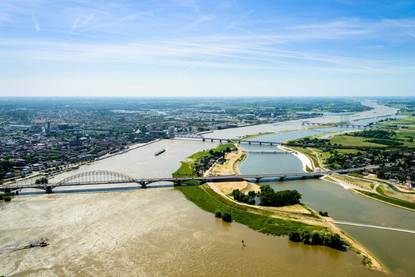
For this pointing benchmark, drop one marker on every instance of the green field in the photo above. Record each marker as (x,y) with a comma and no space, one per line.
(351,141)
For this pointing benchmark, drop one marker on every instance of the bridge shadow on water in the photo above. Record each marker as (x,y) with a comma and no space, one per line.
(69,190)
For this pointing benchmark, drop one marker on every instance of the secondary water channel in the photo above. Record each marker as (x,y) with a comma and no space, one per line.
(157,232)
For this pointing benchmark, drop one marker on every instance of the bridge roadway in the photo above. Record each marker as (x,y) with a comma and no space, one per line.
(227,140)
(107,177)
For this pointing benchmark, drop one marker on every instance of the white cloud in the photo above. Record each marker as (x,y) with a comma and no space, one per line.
(35,23)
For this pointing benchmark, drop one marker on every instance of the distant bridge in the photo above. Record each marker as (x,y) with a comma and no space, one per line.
(227,140)
(105,177)
(269,152)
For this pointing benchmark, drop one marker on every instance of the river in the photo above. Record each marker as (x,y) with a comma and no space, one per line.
(157,232)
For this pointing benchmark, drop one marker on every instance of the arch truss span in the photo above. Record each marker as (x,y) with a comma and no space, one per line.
(96,177)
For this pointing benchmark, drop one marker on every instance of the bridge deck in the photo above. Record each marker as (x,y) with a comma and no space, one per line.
(123,179)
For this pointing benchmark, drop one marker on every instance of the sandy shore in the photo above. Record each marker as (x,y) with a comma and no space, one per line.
(305,160)
(294,212)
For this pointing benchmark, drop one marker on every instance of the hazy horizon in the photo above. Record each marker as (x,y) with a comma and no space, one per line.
(191,48)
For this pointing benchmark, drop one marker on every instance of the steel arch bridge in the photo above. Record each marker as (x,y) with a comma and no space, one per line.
(103,177)
(96,177)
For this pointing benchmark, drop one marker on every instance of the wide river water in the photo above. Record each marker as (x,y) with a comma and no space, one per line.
(129,231)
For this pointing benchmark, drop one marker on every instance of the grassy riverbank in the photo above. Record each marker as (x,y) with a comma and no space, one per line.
(389,200)
(205,198)
(248,137)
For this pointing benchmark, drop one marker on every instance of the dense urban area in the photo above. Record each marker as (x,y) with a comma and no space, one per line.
(55,134)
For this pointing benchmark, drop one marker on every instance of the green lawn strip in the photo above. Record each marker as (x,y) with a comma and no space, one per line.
(388,199)
(350,141)
(248,137)
(208,200)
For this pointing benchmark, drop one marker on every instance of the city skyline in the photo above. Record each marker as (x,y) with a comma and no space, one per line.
(200,48)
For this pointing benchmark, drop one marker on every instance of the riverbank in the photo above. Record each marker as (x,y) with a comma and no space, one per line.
(269,220)
(367,187)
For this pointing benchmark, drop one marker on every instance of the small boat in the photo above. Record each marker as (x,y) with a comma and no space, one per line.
(160,152)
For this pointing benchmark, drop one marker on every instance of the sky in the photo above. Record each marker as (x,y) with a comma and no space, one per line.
(207,48)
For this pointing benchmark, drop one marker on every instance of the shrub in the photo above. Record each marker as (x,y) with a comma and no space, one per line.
(7,198)
(323,213)
(294,236)
(226,217)
(218,214)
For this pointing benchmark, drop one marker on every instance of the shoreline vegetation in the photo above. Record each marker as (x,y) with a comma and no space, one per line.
(298,222)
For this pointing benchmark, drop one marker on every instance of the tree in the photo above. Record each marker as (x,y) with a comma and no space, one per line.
(41,181)
(226,217)
(218,214)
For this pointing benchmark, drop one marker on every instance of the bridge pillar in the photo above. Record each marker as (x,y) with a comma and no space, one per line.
(48,189)
(257,180)
(249,142)
(271,144)
(220,141)
(143,185)
(260,143)
(281,178)
(203,139)
(211,140)
(177,183)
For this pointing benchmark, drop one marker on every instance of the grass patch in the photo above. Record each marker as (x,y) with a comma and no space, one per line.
(248,137)
(388,199)
(351,141)
(205,198)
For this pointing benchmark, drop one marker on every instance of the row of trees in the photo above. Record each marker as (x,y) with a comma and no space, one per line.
(245,198)
(318,238)
(268,197)
(377,133)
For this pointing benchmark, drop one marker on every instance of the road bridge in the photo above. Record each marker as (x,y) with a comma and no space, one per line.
(269,152)
(105,177)
(227,140)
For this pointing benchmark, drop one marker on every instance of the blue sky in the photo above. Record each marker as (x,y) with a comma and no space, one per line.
(207,48)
